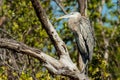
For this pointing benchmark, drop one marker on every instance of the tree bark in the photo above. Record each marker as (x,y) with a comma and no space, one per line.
(82,7)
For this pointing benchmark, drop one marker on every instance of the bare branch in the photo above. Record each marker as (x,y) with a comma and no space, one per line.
(2,20)
(63,66)
(106,42)
(83,7)
(56,40)
(68,67)
(60,5)
(22,48)
(1,1)
(53,65)
(113,33)
(7,33)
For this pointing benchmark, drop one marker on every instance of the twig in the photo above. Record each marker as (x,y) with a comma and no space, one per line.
(5,63)
(7,33)
(60,5)
(2,20)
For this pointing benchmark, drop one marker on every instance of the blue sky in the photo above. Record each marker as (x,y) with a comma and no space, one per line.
(106,12)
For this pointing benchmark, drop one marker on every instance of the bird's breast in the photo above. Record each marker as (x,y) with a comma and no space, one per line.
(73,24)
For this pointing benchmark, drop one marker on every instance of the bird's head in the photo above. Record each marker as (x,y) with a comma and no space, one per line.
(71,15)
(73,20)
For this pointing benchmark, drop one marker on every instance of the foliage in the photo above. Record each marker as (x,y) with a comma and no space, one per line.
(24,26)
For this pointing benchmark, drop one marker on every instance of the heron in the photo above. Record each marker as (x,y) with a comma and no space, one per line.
(83,33)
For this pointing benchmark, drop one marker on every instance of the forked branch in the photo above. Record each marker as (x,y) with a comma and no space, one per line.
(57,41)
(63,66)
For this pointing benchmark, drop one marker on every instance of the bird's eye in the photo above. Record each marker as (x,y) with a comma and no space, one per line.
(72,13)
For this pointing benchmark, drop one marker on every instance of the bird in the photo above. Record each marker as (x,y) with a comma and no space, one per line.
(83,33)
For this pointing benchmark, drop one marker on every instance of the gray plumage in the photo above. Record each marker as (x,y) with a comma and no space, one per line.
(83,33)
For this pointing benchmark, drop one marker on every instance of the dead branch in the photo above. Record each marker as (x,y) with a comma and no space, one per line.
(53,65)
(63,66)
(57,41)
(4,31)
(69,67)
(22,48)
(2,20)
(60,5)
(82,7)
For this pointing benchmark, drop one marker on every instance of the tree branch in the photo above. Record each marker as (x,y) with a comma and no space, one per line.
(9,35)
(59,4)
(56,40)
(22,48)
(2,20)
(83,7)
(69,67)
(53,65)
(63,66)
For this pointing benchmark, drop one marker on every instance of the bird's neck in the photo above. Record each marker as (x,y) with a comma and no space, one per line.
(73,23)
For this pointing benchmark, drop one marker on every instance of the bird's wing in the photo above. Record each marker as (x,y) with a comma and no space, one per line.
(81,45)
(87,33)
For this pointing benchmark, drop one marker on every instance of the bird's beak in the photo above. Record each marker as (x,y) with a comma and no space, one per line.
(65,16)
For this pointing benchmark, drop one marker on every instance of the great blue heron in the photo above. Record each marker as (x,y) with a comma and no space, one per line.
(83,33)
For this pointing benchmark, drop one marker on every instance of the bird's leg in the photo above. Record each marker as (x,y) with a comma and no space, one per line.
(85,68)
(80,62)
